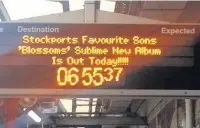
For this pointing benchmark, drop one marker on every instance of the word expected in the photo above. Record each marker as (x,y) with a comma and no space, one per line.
(87,76)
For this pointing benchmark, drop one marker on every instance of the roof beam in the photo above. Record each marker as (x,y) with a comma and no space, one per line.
(65,5)
(95,122)
(97,5)
(90,12)
(54,126)
(84,121)
(4,16)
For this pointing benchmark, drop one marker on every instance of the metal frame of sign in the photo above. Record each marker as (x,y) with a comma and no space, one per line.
(100,93)
(96,16)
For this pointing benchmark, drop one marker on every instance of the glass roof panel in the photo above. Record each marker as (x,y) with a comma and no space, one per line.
(76,5)
(93,109)
(20,9)
(67,104)
(107,5)
(82,109)
(82,102)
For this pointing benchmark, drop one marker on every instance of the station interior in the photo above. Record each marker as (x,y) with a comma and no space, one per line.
(100,108)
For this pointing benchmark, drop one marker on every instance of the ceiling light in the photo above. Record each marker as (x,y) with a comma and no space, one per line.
(34,116)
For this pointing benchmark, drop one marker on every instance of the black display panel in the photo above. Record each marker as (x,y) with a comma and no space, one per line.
(96,56)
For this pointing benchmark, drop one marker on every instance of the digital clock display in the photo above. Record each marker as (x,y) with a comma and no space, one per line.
(91,55)
(89,76)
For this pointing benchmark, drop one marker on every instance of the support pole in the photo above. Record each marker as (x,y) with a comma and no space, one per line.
(188,109)
(157,121)
(90,12)
(4,16)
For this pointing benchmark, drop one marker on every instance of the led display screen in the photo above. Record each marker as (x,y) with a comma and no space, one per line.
(38,55)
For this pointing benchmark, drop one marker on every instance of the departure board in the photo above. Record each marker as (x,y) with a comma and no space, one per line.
(38,55)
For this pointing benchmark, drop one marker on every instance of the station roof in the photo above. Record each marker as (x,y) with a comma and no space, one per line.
(170,11)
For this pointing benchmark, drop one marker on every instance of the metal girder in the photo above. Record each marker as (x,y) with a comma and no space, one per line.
(54,126)
(90,12)
(65,5)
(97,5)
(107,114)
(84,121)
(94,122)
(4,16)
(96,93)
